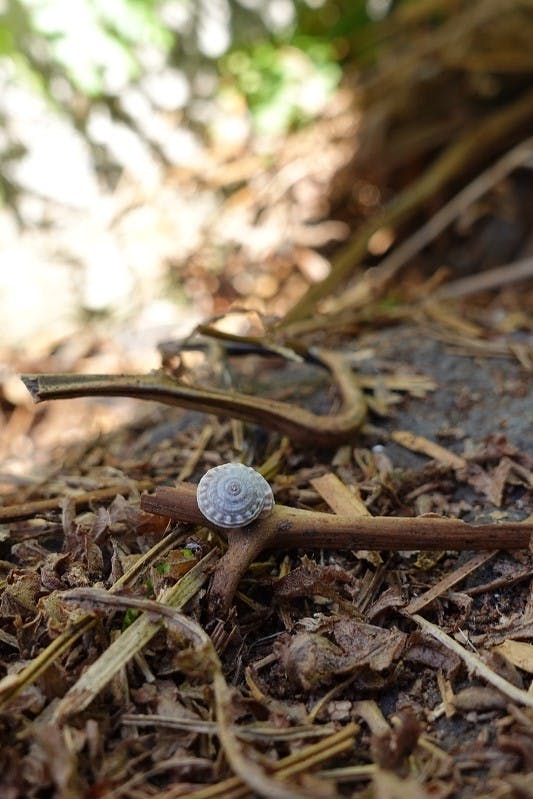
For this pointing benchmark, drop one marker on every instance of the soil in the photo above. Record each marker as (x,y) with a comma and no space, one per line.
(421,716)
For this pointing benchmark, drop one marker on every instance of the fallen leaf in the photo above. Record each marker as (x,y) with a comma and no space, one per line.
(375,647)
(19,597)
(421,648)
(518,653)
(491,483)
(310,660)
(309,579)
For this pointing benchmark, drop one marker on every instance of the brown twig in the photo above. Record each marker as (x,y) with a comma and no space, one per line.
(291,527)
(27,510)
(299,424)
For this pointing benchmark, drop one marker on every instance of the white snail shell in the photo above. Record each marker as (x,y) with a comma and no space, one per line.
(233,495)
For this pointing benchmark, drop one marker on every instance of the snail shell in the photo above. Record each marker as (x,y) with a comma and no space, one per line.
(233,495)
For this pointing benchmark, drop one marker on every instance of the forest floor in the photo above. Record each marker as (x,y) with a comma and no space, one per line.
(331,671)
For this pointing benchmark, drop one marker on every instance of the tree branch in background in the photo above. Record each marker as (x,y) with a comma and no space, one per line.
(477,144)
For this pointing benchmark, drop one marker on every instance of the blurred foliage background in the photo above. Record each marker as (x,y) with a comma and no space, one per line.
(100,101)
(129,59)
(156,167)
(157,161)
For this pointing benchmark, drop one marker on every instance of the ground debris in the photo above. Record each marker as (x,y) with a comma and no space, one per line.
(316,641)
(334,671)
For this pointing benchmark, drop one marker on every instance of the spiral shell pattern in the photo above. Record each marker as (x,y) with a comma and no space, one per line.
(233,495)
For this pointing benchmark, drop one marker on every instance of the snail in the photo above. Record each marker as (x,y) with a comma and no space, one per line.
(233,495)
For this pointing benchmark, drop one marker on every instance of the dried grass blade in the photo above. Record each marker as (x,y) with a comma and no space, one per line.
(250,773)
(448,581)
(195,456)
(248,732)
(13,684)
(233,788)
(348,773)
(475,663)
(132,640)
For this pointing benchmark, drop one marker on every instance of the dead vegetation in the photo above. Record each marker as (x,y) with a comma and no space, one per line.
(352,643)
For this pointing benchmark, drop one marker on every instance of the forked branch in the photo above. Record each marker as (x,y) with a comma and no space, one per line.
(289,527)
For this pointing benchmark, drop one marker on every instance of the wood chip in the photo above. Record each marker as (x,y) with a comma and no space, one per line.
(426,447)
(339,497)
(446,692)
(369,711)
(344,501)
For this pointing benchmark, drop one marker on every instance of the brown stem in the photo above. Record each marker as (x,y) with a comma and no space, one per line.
(243,549)
(27,510)
(291,527)
(299,424)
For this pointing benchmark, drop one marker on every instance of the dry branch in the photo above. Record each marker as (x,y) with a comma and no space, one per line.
(379,277)
(299,424)
(293,527)
(289,527)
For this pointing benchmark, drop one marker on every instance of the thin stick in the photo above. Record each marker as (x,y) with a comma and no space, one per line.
(503,275)
(448,581)
(380,276)
(27,510)
(298,423)
(475,663)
